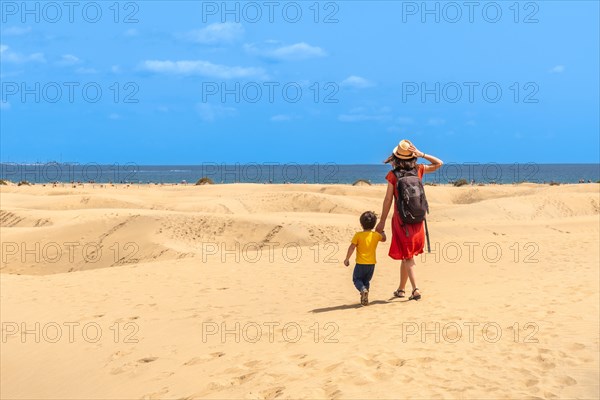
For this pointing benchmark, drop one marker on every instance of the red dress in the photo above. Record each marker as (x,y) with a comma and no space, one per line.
(405,247)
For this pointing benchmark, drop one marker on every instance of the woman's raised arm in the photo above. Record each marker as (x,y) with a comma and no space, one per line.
(436,163)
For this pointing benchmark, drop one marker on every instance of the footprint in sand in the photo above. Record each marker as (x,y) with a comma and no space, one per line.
(567,381)
(251,364)
(382,376)
(272,393)
(215,387)
(577,346)
(332,367)
(332,391)
(299,356)
(309,363)
(200,360)
(156,395)
(194,361)
(118,354)
(545,363)
(165,374)
(397,362)
(144,305)
(127,367)
(531,382)
(240,380)
(370,362)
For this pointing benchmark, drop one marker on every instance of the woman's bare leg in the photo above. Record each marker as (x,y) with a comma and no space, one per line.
(403,275)
(410,271)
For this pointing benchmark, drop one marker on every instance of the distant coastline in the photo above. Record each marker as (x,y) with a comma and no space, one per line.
(277,173)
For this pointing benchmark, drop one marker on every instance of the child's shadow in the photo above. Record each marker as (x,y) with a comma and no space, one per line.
(349,306)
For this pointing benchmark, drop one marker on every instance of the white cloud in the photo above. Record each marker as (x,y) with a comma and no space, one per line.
(436,122)
(405,120)
(360,115)
(86,71)
(558,69)
(68,59)
(16,31)
(203,68)
(217,33)
(357,82)
(400,124)
(209,112)
(131,32)
(115,69)
(282,118)
(471,122)
(294,52)
(355,117)
(114,116)
(397,129)
(11,56)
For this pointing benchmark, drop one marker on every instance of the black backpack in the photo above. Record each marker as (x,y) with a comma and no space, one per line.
(411,202)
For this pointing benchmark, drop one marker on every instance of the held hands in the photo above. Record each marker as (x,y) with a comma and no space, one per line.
(380,226)
(346,262)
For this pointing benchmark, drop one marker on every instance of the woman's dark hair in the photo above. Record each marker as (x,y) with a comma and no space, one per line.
(398,163)
(368,219)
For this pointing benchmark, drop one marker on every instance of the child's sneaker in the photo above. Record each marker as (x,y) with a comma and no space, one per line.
(364,297)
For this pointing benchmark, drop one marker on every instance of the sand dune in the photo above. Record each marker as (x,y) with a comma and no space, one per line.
(238,291)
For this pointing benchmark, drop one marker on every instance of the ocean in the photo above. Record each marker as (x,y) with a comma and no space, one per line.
(326,173)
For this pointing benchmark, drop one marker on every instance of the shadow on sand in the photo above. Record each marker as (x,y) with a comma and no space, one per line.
(357,305)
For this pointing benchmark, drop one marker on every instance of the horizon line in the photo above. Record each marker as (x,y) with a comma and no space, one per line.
(275,163)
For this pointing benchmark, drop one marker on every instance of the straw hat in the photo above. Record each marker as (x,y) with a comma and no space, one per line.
(401,151)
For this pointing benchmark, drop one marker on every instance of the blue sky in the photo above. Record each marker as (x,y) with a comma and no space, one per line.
(180,81)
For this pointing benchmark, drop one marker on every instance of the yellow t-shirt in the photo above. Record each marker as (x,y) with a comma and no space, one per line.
(366,244)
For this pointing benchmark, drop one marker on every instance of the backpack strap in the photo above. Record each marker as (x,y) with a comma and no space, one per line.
(427,236)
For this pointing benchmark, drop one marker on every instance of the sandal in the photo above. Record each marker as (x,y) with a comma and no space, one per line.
(364,297)
(413,297)
(399,293)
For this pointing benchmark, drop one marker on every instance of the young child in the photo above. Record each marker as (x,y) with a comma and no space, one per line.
(365,243)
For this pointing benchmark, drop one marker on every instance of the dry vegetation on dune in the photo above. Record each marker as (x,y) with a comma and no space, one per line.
(204,181)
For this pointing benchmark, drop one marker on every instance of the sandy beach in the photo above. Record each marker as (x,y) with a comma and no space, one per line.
(239,291)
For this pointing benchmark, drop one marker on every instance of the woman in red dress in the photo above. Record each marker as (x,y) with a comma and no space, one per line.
(408,240)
